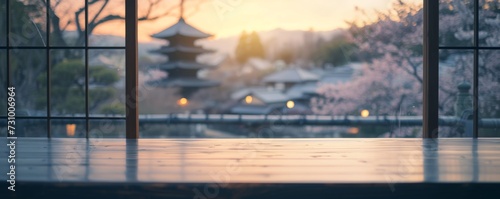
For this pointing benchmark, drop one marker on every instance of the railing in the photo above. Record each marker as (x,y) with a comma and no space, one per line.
(306,120)
(321,120)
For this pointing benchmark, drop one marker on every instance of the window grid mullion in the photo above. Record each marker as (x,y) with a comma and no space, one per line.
(475,85)
(47,47)
(63,47)
(475,100)
(8,51)
(48,65)
(86,70)
(469,47)
(62,117)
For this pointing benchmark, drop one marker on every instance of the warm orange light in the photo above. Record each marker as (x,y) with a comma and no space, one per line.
(353,130)
(249,99)
(365,113)
(182,102)
(70,129)
(290,104)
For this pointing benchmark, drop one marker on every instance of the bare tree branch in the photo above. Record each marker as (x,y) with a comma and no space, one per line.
(414,71)
(152,4)
(56,28)
(104,20)
(66,26)
(99,12)
(167,12)
(77,19)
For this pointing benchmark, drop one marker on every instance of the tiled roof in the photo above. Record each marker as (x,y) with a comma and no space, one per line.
(181,28)
(266,95)
(184,65)
(183,49)
(183,82)
(300,91)
(292,75)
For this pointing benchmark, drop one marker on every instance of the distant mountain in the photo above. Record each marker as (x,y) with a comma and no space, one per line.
(224,47)
(273,38)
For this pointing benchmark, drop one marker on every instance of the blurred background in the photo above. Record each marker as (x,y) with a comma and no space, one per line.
(226,68)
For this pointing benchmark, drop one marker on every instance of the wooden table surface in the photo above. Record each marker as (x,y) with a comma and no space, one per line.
(255,161)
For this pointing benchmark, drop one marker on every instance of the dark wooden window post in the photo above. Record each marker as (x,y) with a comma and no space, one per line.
(475,84)
(431,69)
(131,71)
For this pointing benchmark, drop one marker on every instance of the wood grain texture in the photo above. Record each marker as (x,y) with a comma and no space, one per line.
(253,164)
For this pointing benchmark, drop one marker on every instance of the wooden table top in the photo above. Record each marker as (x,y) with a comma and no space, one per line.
(255,160)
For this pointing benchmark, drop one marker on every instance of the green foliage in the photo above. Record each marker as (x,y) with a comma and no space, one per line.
(99,95)
(114,108)
(338,51)
(256,47)
(249,46)
(286,54)
(68,87)
(102,76)
(242,48)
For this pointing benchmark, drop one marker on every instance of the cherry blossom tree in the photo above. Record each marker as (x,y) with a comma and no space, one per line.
(390,82)
(391,76)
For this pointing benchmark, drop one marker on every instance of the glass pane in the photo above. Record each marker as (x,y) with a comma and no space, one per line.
(31,127)
(489,93)
(107,83)
(455,92)
(489,23)
(28,75)
(67,128)
(319,66)
(150,129)
(3,23)
(67,79)
(3,127)
(3,82)
(107,128)
(27,23)
(456,23)
(67,24)
(106,23)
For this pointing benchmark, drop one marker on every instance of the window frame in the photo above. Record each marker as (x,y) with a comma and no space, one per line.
(130,67)
(431,49)
(431,44)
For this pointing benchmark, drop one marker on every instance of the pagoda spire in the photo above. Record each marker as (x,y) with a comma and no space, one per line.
(182,10)
(181,66)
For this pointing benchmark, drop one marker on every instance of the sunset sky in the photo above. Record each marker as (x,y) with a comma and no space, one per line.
(234,16)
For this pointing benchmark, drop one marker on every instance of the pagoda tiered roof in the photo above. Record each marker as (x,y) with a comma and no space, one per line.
(182,49)
(184,82)
(184,65)
(183,29)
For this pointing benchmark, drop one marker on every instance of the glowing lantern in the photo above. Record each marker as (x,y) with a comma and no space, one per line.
(353,130)
(70,129)
(182,102)
(248,99)
(290,104)
(365,113)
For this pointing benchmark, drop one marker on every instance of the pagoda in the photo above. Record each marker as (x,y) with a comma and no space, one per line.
(182,67)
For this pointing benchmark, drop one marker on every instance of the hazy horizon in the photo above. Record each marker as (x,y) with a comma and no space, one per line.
(222,19)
